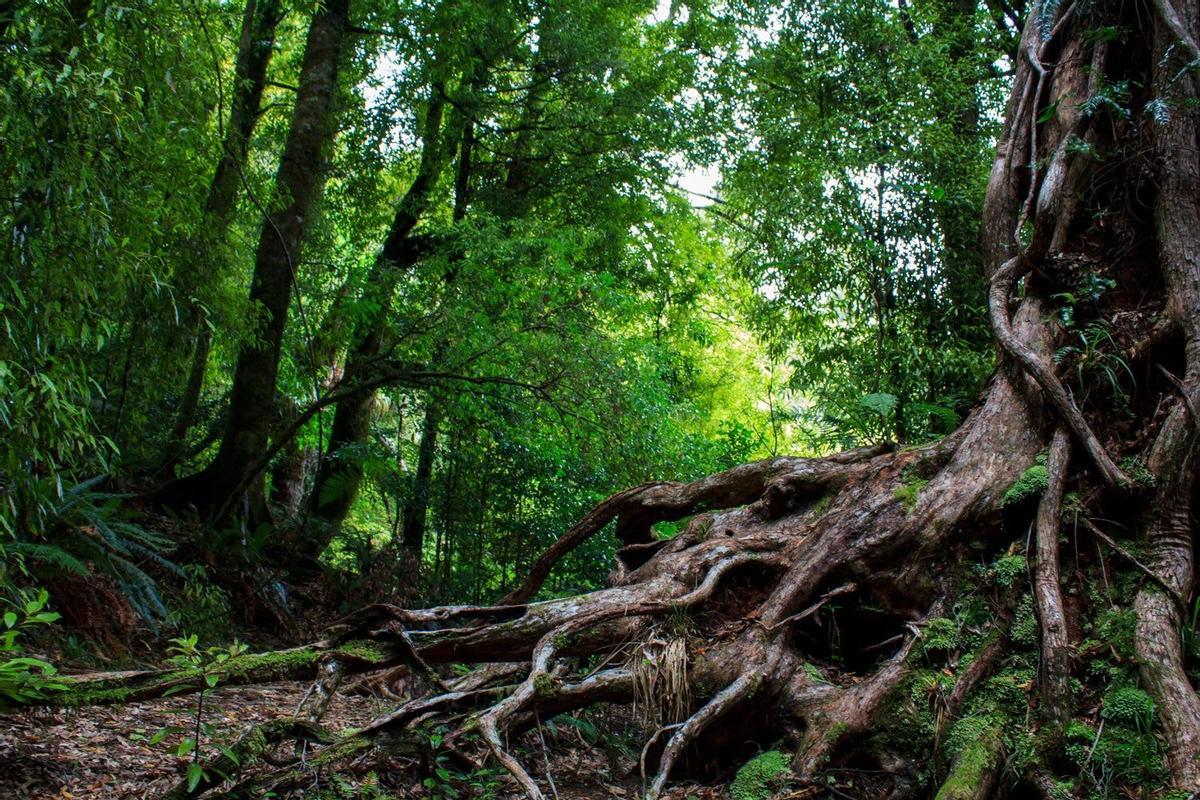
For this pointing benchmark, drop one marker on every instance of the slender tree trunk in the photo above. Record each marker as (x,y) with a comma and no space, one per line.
(418,505)
(255,47)
(299,183)
(340,472)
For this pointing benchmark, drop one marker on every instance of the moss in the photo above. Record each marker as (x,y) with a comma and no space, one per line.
(1032,483)
(1010,569)
(836,732)
(814,673)
(1129,756)
(280,665)
(940,635)
(364,650)
(976,757)
(910,491)
(819,508)
(1135,468)
(1129,706)
(1025,630)
(753,781)
(969,730)
(1118,628)
(275,665)
(543,685)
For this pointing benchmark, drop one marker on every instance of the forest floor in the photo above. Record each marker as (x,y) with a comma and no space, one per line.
(105,753)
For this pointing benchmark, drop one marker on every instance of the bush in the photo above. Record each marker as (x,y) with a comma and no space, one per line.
(23,678)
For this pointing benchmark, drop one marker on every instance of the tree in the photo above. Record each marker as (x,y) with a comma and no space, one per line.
(853,198)
(255,48)
(300,179)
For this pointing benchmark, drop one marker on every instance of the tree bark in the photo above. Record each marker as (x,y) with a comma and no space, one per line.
(255,48)
(299,183)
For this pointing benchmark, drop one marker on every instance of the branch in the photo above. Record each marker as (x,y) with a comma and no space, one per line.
(1055,672)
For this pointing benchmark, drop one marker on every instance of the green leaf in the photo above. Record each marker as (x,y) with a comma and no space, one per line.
(186,746)
(881,403)
(194,773)
(10,619)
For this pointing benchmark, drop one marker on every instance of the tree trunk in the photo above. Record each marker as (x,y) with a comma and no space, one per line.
(413,533)
(299,182)
(255,47)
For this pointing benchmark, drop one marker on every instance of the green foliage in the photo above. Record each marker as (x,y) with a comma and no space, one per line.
(814,673)
(939,634)
(447,782)
(1032,483)
(203,607)
(86,530)
(755,778)
(208,665)
(24,678)
(1117,627)
(1116,754)
(861,237)
(1129,706)
(1025,629)
(1096,358)
(973,745)
(1010,570)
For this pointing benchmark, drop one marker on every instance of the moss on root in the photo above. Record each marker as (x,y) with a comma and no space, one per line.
(978,755)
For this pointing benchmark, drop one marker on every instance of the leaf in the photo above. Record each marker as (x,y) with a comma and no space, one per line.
(186,746)
(881,403)
(10,619)
(1048,113)
(230,754)
(194,773)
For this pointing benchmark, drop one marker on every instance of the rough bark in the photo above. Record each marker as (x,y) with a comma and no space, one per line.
(299,183)
(1169,521)
(1054,676)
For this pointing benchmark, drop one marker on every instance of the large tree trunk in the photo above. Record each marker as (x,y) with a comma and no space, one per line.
(770,544)
(299,182)
(255,47)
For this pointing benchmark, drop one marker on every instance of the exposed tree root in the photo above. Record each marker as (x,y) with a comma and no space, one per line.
(1054,675)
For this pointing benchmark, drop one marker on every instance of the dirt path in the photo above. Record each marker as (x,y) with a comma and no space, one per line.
(103,753)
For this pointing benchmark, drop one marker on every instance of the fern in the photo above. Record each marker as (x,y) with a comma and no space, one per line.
(51,555)
(86,527)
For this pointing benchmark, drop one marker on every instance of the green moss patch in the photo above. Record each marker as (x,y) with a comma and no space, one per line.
(753,781)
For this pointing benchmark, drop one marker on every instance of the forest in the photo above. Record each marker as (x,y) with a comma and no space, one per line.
(681,399)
